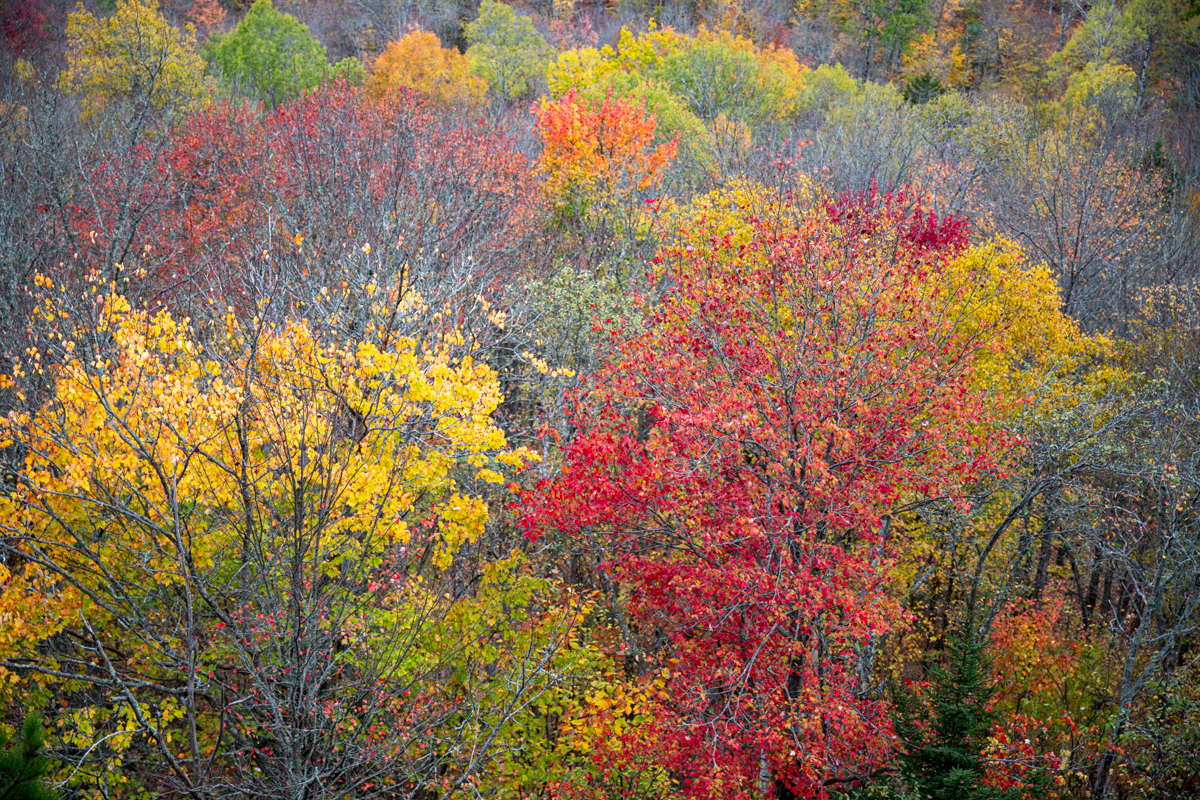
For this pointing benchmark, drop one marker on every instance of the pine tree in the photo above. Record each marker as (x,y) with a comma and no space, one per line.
(921,89)
(24,767)
(944,759)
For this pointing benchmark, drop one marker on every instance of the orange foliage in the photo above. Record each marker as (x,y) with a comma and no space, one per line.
(206,15)
(606,150)
(418,61)
(1048,672)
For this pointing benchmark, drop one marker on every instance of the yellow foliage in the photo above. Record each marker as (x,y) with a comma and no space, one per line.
(1097,94)
(1035,366)
(577,67)
(155,459)
(728,213)
(133,53)
(1033,351)
(635,53)
(644,52)
(418,61)
(781,72)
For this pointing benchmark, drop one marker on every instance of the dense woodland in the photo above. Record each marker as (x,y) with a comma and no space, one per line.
(719,399)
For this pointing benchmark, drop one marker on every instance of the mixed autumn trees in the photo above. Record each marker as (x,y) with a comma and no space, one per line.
(246,558)
(722,423)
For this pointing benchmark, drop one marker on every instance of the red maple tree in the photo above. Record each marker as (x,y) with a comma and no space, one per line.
(735,474)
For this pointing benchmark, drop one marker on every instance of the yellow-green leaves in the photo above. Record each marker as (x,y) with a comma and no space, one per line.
(1031,347)
(133,54)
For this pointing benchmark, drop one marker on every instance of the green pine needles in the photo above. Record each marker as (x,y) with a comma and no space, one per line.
(24,767)
(945,743)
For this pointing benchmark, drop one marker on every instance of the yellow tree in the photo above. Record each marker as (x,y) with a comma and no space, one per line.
(418,61)
(133,54)
(235,564)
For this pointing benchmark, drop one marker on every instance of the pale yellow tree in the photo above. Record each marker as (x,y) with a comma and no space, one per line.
(133,54)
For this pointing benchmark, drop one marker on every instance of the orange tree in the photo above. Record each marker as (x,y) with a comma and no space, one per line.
(599,154)
(418,61)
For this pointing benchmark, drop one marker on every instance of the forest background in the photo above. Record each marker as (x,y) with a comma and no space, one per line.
(716,399)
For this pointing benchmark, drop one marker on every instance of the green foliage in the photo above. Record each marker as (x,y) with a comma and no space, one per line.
(920,89)
(881,26)
(1165,745)
(1109,35)
(901,21)
(714,78)
(1156,159)
(715,74)
(827,86)
(945,742)
(507,50)
(671,114)
(349,69)
(272,56)
(24,767)
(718,74)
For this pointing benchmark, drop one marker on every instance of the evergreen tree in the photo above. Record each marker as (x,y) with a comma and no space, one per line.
(920,89)
(944,759)
(23,768)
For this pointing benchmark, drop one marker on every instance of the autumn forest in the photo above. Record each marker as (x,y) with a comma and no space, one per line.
(599,399)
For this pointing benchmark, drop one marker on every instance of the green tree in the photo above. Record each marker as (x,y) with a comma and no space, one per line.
(1144,37)
(272,56)
(25,766)
(883,29)
(507,50)
(717,73)
(945,741)
(920,89)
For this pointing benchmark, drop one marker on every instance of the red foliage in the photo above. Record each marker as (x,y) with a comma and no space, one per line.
(270,198)
(922,228)
(333,190)
(735,468)
(26,26)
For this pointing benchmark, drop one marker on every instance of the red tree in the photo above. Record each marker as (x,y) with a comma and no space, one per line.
(342,192)
(735,471)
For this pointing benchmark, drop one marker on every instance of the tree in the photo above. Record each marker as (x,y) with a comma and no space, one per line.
(599,154)
(507,50)
(207,15)
(944,752)
(1081,204)
(26,27)
(133,55)
(1164,745)
(418,61)
(737,469)
(24,768)
(338,198)
(272,56)
(718,74)
(882,29)
(920,89)
(243,565)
